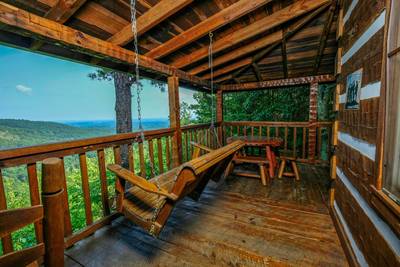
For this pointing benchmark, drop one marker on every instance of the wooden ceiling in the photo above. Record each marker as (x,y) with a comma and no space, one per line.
(253,40)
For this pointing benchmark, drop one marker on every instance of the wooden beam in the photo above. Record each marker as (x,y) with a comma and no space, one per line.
(324,36)
(258,27)
(290,32)
(27,24)
(154,16)
(60,12)
(257,71)
(278,83)
(214,22)
(312,119)
(175,120)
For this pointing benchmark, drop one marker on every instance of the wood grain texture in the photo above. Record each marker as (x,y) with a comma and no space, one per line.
(43,29)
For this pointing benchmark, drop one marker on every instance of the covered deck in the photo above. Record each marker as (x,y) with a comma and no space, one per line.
(235,223)
(257,45)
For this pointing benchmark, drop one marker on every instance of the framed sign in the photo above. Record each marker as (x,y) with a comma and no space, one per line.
(353,90)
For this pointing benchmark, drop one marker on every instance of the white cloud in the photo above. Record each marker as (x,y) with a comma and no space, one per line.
(24,89)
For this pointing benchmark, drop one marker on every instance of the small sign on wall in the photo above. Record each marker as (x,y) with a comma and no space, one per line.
(353,90)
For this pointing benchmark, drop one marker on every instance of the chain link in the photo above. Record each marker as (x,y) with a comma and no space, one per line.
(138,86)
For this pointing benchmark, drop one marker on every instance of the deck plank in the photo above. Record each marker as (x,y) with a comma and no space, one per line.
(236,223)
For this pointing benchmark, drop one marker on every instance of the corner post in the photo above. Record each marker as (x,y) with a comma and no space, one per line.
(220,116)
(175,119)
(312,132)
(53,220)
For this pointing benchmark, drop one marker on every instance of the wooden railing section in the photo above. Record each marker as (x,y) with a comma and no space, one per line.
(147,158)
(295,136)
(202,134)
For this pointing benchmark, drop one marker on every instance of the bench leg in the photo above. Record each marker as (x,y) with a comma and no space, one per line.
(295,170)
(282,168)
(263,175)
(229,169)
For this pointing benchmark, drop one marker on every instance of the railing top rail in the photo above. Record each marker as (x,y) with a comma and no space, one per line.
(74,147)
(196,126)
(274,123)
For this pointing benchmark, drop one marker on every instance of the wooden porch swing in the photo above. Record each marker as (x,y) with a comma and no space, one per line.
(148,203)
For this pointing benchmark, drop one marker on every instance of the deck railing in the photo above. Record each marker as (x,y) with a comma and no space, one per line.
(149,158)
(295,136)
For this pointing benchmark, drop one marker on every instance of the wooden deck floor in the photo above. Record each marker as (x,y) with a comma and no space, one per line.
(238,223)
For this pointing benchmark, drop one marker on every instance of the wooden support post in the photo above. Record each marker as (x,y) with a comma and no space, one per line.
(220,116)
(312,133)
(175,120)
(53,221)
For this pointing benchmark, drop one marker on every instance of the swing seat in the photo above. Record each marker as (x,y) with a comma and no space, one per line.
(148,203)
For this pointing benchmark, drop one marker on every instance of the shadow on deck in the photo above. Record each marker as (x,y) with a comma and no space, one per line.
(238,223)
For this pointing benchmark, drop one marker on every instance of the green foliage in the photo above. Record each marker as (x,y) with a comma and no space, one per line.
(283,104)
(203,108)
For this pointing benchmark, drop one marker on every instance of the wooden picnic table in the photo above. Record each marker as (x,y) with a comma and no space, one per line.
(262,141)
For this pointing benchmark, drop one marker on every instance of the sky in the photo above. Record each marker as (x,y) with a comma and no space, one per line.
(39,87)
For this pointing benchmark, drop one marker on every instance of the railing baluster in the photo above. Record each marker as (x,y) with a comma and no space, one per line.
(168,152)
(103,182)
(252,131)
(286,138)
(318,156)
(142,162)
(160,156)
(260,130)
(35,198)
(187,145)
(276,131)
(294,141)
(67,214)
(151,156)
(304,142)
(131,158)
(85,188)
(6,241)
(268,131)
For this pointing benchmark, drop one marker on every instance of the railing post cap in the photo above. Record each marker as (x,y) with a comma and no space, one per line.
(52,175)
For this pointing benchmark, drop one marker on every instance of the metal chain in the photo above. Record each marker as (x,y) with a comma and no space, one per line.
(211,66)
(137,77)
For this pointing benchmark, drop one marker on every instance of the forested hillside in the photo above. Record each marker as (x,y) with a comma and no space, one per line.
(18,133)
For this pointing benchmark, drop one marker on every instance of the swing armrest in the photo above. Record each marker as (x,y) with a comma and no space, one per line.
(140,182)
(201,147)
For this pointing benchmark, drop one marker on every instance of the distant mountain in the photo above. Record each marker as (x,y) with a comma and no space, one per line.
(19,133)
(148,124)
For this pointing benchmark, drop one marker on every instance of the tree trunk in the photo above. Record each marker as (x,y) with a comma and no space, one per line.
(123,108)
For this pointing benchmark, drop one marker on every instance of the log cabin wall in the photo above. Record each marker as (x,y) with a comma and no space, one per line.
(368,237)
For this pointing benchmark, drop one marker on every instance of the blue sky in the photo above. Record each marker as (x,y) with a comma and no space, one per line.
(38,87)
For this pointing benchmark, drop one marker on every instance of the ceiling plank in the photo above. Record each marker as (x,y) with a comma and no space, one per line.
(324,36)
(60,12)
(278,83)
(155,15)
(27,24)
(239,52)
(214,22)
(290,32)
(297,9)
(252,47)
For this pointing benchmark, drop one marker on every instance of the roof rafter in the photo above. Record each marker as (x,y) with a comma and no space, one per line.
(60,12)
(214,22)
(155,15)
(290,32)
(27,24)
(275,19)
(324,35)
